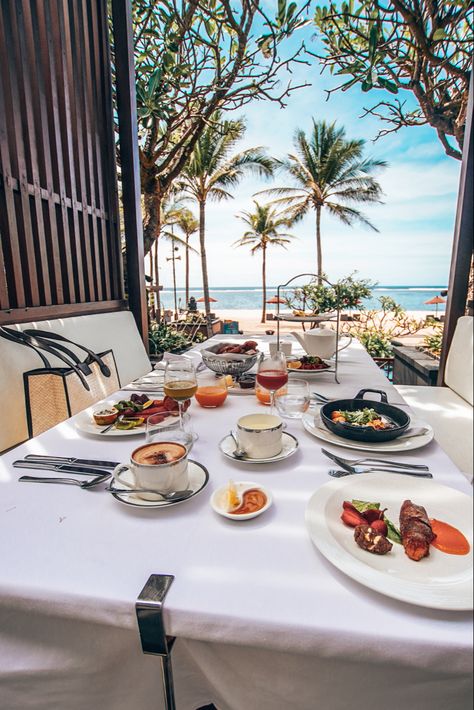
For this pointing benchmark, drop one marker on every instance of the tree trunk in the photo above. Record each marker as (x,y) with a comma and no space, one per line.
(264,283)
(319,251)
(187,271)
(205,279)
(152,199)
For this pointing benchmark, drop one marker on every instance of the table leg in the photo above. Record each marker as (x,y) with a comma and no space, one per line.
(149,610)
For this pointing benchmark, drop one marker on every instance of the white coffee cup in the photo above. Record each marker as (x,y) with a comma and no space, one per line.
(284,348)
(259,435)
(160,466)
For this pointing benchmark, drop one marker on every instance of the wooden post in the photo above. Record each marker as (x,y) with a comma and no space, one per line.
(462,246)
(129,160)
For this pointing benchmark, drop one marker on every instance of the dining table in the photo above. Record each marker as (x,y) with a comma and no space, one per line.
(262,620)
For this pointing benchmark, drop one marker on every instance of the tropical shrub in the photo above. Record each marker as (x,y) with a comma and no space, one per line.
(322,298)
(433,343)
(165,338)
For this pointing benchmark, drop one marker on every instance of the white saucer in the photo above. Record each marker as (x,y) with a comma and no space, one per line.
(289,447)
(218,504)
(393,446)
(198,479)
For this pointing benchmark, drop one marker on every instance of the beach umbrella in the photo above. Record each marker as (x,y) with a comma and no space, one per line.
(202,300)
(276,299)
(434,302)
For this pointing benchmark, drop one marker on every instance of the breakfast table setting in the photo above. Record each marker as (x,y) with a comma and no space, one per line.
(273,603)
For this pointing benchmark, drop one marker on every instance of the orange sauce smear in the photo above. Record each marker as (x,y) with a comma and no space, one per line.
(252,500)
(211,396)
(448,538)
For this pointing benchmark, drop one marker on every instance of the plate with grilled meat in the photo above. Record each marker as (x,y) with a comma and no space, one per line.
(407,538)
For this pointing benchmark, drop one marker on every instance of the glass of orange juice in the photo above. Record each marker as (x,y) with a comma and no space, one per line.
(264,396)
(211,390)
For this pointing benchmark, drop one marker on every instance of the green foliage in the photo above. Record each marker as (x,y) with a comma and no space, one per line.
(376,342)
(322,298)
(377,328)
(433,343)
(164,338)
(331,173)
(424,48)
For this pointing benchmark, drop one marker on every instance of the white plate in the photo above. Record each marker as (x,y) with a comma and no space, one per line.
(84,422)
(311,374)
(289,447)
(218,500)
(198,479)
(396,445)
(439,581)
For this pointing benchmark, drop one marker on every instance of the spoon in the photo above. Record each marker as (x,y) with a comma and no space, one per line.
(174,496)
(239,453)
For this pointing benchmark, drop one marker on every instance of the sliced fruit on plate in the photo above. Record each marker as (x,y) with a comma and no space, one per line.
(294,365)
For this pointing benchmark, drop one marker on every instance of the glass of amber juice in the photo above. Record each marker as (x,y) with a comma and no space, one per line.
(211,390)
(180,383)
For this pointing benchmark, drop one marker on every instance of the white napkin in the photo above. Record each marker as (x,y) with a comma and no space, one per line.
(194,356)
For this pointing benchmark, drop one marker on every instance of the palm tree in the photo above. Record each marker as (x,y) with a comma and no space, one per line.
(188,224)
(212,170)
(264,224)
(330,172)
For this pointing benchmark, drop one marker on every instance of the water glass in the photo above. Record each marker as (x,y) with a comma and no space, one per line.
(176,431)
(294,400)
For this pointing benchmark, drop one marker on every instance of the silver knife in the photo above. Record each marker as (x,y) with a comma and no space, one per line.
(42,458)
(61,468)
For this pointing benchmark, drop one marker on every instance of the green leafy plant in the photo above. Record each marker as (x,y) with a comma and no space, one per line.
(433,343)
(165,338)
(376,343)
(376,328)
(322,298)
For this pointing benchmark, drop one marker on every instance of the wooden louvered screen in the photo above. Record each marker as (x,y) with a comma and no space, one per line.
(59,231)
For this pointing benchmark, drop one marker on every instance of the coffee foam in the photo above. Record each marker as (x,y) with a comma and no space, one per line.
(164,452)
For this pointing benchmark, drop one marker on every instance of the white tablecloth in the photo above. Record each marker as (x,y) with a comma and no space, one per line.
(262,619)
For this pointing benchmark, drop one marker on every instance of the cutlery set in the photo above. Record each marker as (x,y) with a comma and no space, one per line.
(352,466)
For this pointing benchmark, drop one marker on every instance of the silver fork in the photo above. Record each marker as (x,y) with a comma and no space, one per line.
(340,474)
(68,481)
(368,459)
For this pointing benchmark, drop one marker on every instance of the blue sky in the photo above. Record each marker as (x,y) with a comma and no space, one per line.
(415,222)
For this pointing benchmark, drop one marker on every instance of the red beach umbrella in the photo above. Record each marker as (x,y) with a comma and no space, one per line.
(435,301)
(202,300)
(276,299)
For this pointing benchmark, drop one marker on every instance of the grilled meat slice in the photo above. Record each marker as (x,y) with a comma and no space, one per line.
(415,529)
(369,539)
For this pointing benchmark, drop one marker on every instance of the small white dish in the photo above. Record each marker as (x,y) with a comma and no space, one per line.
(198,479)
(219,500)
(289,447)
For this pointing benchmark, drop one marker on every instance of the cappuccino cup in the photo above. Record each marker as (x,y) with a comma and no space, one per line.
(161,466)
(259,435)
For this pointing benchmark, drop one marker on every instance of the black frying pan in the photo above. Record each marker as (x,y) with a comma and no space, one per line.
(365,433)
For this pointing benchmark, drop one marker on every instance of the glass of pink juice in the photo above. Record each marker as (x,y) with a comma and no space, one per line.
(272,374)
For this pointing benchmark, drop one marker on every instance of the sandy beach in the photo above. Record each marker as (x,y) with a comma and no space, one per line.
(249,322)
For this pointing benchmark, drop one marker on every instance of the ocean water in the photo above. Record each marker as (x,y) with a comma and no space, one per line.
(412,298)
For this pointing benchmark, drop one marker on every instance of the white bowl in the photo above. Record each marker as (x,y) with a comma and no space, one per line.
(219,496)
